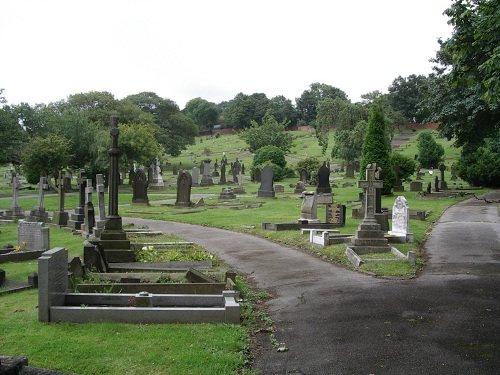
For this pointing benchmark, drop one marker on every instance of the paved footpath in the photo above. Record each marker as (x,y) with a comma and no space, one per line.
(336,321)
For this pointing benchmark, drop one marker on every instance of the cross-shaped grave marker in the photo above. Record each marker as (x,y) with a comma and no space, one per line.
(370,184)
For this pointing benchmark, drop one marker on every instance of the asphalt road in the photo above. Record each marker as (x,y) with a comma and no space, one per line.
(335,321)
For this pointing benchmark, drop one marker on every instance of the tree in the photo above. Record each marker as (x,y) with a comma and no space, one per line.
(46,157)
(405,95)
(176,131)
(204,113)
(377,148)
(348,119)
(12,135)
(307,103)
(138,144)
(462,93)
(270,132)
(273,156)
(283,110)
(480,168)
(240,111)
(430,153)
(407,166)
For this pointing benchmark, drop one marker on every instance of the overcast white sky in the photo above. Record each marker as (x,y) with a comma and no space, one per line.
(213,49)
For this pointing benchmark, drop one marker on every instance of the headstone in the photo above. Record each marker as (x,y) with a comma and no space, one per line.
(309,209)
(398,186)
(349,172)
(429,188)
(39,214)
(195,174)
(157,179)
(140,188)
(131,176)
(222,173)
(279,188)
(369,238)
(442,183)
(227,193)
(323,180)
(184,183)
(15,212)
(78,217)
(436,184)
(266,189)
(89,220)
(67,184)
(299,187)
(175,172)
(206,179)
(60,217)
(303,175)
(236,169)
(416,186)
(239,189)
(113,237)
(356,166)
(453,173)
(335,214)
(215,173)
(242,168)
(101,205)
(33,235)
(401,219)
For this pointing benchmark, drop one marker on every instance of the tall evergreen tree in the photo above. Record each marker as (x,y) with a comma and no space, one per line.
(377,148)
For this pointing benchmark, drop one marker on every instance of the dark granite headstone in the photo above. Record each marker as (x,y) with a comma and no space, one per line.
(323,180)
(266,189)
(184,183)
(257,175)
(303,175)
(140,188)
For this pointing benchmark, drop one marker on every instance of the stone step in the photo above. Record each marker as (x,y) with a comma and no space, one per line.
(369,242)
(370,249)
(369,234)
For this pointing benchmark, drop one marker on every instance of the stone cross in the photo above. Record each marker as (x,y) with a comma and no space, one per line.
(100,196)
(370,184)
(60,182)
(15,191)
(81,185)
(114,172)
(88,191)
(42,185)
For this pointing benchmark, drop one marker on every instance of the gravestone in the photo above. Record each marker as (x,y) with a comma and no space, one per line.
(242,168)
(303,175)
(215,173)
(239,189)
(398,186)
(131,176)
(257,175)
(33,235)
(436,184)
(453,173)
(266,189)
(39,214)
(156,179)
(309,209)
(416,186)
(442,183)
(89,220)
(67,184)
(78,217)
(349,171)
(184,183)
(60,217)
(356,166)
(279,188)
(113,237)
(401,219)
(429,188)
(323,180)
(299,187)
(52,281)
(335,214)
(175,172)
(195,174)
(236,170)
(369,238)
(101,205)
(140,188)
(222,179)
(227,193)
(15,212)
(206,179)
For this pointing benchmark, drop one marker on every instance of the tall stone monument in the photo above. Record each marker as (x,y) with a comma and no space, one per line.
(39,214)
(206,179)
(15,212)
(78,217)
(184,183)
(323,180)
(369,238)
(113,237)
(140,188)
(266,189)
(101,206)
(60,217)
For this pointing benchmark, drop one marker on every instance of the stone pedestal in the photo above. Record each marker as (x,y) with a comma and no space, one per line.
(369,238)
(39,215)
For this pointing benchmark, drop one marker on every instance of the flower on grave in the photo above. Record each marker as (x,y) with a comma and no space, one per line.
(22,247)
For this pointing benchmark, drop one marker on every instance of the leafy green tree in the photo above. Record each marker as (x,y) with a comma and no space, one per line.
(377,148)
(283,110)
(243,109)
(12,136)
(273,156)
(430,153)
(46,157)
(405,95)
(407,166)
(307,103)
(204,113)
(270,132)
(176,130)
(138,144)
(310,164)
(480,168)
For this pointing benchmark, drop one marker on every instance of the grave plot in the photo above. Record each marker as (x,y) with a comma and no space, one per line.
(57,304)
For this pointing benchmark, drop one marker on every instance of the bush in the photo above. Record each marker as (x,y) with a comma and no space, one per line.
(310,164)
(407,166)
(480,168)
(430,153)
(271,154)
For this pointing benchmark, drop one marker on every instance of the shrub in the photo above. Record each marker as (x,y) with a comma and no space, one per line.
(310,164)
(480,168)
(407,166)
(430,153)
(271,154)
